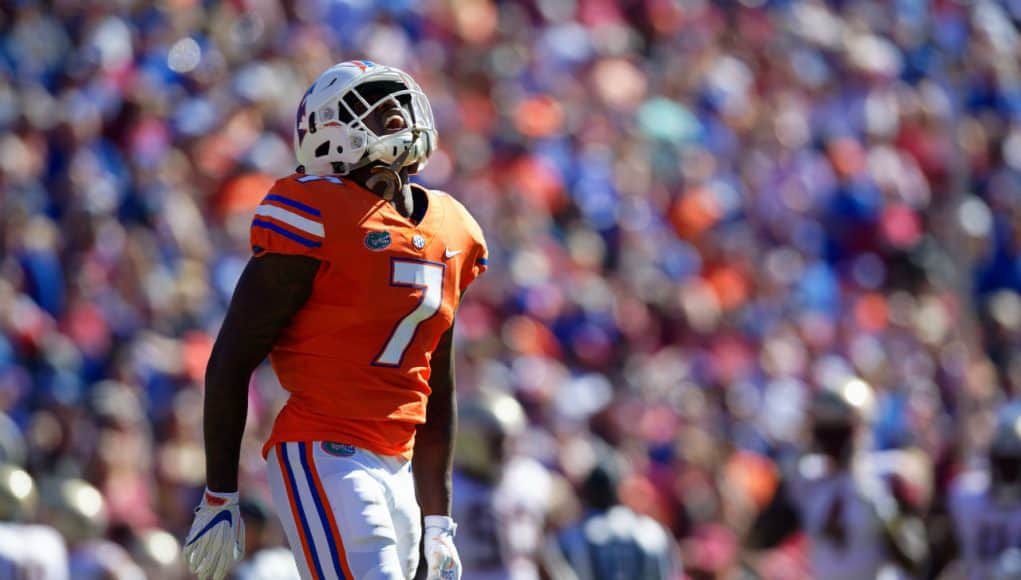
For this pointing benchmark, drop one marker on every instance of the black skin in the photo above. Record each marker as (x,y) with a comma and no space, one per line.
(272,289)
(775,523)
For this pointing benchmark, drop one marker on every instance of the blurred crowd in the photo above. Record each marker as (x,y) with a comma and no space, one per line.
(698,213)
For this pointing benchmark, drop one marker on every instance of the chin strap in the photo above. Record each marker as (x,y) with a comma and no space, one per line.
(389,176)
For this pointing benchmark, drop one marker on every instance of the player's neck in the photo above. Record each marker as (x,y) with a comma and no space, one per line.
(410,202)
(402,199)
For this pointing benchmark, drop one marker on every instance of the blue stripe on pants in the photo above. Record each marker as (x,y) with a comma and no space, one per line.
(301,512)
(322,512)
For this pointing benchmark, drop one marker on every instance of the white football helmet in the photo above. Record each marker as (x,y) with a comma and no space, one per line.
(840,417)
(75,508)
(850,401)
(18,494)
(486,422)
(331,136)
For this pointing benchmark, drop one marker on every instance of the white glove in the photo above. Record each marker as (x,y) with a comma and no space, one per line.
(217,536)
(440,552)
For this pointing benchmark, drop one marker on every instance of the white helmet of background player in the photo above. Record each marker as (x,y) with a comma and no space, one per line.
(18,495)
(837,412)
(485,423)
(331,136)
(1005,452)
(75,508)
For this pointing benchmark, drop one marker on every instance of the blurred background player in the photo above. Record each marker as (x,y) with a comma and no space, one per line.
(611,540)
(502,499)
(78,511)
(158,553)
(27,550)
(266,558)
(985,504)
(853,504)
(352,288)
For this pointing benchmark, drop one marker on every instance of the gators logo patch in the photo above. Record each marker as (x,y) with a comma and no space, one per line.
(377,241)
(338,449)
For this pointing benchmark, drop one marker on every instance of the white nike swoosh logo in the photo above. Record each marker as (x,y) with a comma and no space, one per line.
(450,253)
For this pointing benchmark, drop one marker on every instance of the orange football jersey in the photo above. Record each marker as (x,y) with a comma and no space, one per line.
(355,359)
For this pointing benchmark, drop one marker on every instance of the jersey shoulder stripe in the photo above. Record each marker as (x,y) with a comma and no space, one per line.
(295,220)
(292,219)
(257,223)
(294,204)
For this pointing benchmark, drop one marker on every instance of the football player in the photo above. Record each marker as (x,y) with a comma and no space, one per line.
(263,559)
(611,540)
(27,550)
(353,284)
(852,504)
(985,504)
(79,512)
(503,499)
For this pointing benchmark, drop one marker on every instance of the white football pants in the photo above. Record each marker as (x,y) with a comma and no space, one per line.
(349,514)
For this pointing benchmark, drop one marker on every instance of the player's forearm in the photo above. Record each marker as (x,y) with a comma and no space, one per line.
(237,352)
(225,412)
(434,440)
(434,446)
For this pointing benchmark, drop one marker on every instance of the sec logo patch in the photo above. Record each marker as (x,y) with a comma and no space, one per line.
(338,449)
(377,241)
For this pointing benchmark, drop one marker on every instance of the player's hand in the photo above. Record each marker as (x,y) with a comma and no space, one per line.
(440,553)
(217,536)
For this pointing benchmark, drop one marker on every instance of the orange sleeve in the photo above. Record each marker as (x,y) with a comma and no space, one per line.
(479,265)
(289,220)
(478,261)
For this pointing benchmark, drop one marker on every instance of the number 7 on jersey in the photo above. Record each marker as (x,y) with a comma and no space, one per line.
(416,274)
